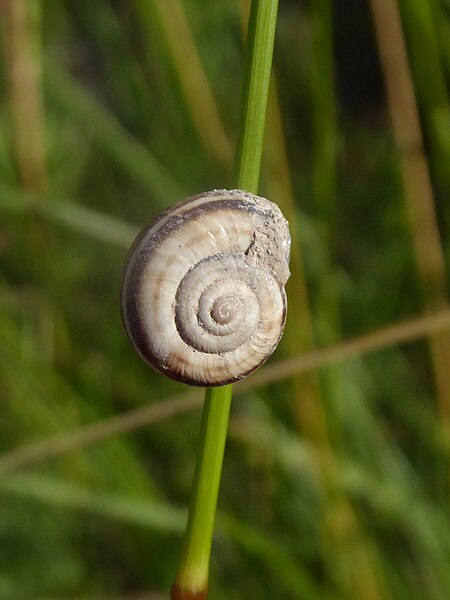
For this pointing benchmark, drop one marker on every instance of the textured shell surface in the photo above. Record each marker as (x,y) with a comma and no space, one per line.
(203,297)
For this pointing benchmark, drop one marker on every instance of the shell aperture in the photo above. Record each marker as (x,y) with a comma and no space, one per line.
(203,297)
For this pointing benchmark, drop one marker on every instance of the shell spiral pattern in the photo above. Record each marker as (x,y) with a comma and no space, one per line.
(203,297)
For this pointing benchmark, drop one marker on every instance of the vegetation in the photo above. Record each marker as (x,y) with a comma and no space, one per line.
(336,472)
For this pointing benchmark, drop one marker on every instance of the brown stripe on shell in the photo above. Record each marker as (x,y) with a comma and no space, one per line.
(215,206)
(144,244)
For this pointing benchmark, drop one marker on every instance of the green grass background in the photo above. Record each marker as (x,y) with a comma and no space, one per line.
(336,482)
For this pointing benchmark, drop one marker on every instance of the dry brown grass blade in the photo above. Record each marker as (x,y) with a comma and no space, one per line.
(22,52)
(340,526)
(24,94)
(299,334)
(393,335)
(97,432)
(401,333)
(191,75)
(416,181)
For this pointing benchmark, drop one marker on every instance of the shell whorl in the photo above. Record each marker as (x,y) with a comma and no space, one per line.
(203,297)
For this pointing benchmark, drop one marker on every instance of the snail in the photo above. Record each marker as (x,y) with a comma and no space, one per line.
(203,297)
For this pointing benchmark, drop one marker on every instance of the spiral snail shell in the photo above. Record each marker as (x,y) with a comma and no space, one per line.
(203,297)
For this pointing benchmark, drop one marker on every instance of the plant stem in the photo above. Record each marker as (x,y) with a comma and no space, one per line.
(260,40)
(191,582)
(192,578)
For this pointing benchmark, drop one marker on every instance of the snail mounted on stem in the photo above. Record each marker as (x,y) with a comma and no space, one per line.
(203,297)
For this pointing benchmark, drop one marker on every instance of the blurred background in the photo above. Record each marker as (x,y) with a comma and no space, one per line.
(336,475)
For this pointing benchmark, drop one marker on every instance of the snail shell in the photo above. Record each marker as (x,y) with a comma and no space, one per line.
(203,297)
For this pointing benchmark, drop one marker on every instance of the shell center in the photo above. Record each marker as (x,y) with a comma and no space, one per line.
(224,309)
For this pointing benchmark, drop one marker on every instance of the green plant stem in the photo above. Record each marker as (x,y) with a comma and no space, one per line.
(260,39)
(192,577)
